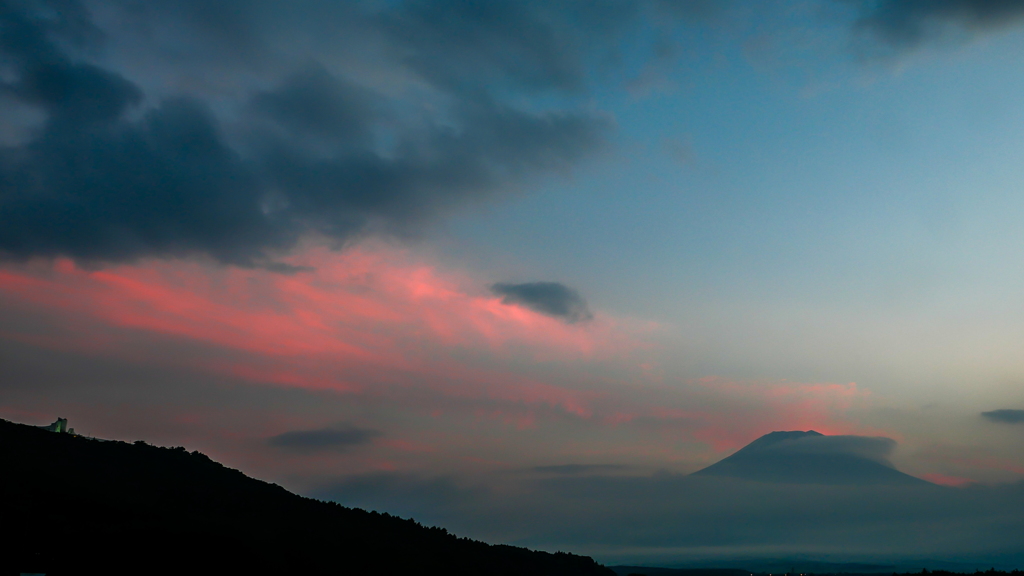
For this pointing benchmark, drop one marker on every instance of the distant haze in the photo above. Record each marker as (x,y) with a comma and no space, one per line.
(785,494)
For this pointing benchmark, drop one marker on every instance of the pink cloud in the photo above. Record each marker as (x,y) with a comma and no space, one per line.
(365,320)
(728,414)
(759,407)
(375,322)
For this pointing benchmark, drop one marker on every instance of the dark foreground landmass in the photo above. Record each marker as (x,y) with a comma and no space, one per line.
(72,505)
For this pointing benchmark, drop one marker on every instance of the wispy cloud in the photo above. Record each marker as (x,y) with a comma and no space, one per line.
(344,321)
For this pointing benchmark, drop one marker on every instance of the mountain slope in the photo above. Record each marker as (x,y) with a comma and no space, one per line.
(84,506)
(813,458)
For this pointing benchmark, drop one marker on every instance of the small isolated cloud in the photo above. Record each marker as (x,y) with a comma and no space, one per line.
(337,438)
(905,24)
(1004,416)
(551,298)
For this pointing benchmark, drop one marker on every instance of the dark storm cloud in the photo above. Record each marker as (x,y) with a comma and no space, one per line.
(115,173)
(908,23)
(1005,416)
(323,439)
(93,185)
(549,298)
(313,104)
(75,94)
(165,185)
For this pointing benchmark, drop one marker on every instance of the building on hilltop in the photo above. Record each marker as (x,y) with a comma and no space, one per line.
(60,427)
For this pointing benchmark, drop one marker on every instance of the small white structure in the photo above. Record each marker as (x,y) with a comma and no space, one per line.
(60,427)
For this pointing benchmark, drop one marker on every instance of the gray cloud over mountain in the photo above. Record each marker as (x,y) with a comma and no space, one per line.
(551,298)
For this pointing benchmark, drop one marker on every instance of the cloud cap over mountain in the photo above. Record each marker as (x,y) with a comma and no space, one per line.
(813,458)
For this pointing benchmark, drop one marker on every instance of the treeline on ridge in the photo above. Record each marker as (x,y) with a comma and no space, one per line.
(86,506)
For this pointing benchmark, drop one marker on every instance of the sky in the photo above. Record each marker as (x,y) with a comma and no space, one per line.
(518,268)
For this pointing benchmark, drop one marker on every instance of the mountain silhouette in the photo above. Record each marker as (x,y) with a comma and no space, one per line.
(85,506)
(813,458)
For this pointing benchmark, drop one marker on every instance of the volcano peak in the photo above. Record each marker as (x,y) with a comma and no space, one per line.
(797,457)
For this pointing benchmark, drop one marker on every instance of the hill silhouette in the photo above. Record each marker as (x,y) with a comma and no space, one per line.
(82,506)
(813,458)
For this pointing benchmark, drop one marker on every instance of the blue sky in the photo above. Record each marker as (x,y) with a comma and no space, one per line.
(860,188)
